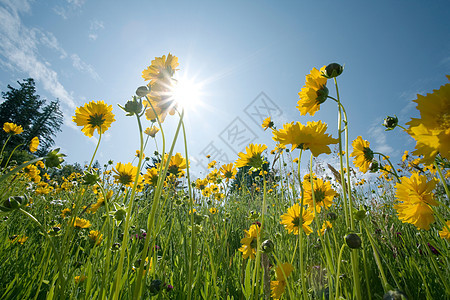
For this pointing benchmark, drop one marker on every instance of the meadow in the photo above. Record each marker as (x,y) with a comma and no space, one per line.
(258,228)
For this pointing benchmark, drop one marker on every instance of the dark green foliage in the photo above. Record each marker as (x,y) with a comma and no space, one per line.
(22,106)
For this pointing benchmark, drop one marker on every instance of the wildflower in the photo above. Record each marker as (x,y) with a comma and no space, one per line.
(313,93)
(362,153)
(176,165)
(405,155)
(96,236)
(212,164)
(19,239)
(267,123)
(312,137)
(228,171)
(291,219)
(160,68)
(250,241)
(34,144)
(94,115)
(213,210)
(80,279)
(325,226)
(65,212)
(12,128)
(43,188)
(151,131)
(253,157)
(219,196)
(193,211)
(445,233)
(201,183)
(81,223)
(323,194)
(151,176)
(283,271)
(138,153)
(125,174)
(414,196)
(432,130)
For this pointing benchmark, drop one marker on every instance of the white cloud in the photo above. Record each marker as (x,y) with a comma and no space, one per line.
(378,138)
(95,27)
(19,48)
(84,67)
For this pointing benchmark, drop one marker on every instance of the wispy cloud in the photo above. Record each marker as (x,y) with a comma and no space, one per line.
(82,66)
(95,27)
(71,6)
(378,138)
(19,49)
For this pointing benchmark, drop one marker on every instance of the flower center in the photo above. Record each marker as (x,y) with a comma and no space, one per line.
(319,195)
(368,154)
(125,178)
(96,120)
(296,221)
(254,243)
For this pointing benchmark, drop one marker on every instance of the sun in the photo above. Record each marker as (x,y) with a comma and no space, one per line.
(186,92)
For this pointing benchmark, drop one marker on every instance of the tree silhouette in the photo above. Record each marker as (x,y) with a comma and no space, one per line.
(22,106)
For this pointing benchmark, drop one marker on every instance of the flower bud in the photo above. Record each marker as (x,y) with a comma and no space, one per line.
(13,203)
(54,159)
(142,91)
(360,214)
(390,122)
(90,178)
(267,246)
(374,166)
(332,70)
(132,107)
(322,95)
(353,240)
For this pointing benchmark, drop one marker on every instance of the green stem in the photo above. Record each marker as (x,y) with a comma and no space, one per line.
(377,260)
(390,163)
(3,148)
(128,217)
(339,271)
(441,177)
(12,152)
(96,148)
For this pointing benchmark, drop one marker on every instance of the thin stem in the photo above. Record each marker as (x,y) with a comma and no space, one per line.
(96,148)
(390,163)
(441,177)
(3,148)
(339,271)
(12,152)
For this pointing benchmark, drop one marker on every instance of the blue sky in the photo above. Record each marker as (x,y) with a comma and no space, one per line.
(245,54)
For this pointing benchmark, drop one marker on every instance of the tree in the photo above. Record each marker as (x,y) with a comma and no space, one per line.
(23,107)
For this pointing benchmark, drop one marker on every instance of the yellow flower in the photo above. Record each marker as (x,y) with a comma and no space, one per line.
(432,130)
(94,115)
(250,241)
(405,155)
(96,236)
(151,131)
(212,164)
(19,239)
(176,165)
(193,211)
(12,128)
(213,210)
(444,233)
(151,177)
(125,174)
(161,68)
(201,183)
(213,176)
(219,196)
(312,137)
(325,226)
(313,93)
(228,171)
(252,158)
(34,144)
(81,223)
(414,196)
(267,123)
(291,219)
(323,194)
(65,212)
(79,279)
(362,153)
(279,286)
